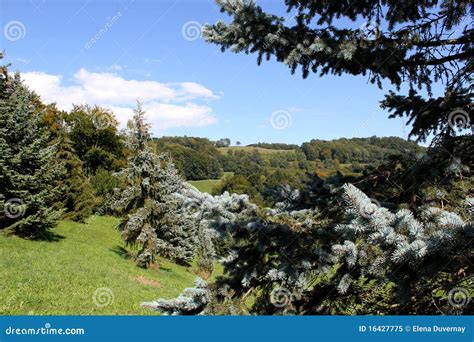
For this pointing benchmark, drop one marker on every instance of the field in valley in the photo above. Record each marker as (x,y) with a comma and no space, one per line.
(206,185)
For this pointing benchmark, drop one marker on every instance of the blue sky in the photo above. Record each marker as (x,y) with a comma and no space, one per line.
(190,87)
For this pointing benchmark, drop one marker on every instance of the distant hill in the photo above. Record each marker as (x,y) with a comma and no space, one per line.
(360,150)
(200,159)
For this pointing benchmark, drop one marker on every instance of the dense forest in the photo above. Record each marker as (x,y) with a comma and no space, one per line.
(366,225)
(259,172)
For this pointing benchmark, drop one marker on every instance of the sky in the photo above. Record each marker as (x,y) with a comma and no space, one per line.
(113,52)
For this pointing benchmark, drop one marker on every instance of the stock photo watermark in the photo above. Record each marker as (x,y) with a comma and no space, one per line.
(191,30)
(103,296)
(459,297)
(459,119)
(14,208)
(14,30)
(109,22)
(281,297)
(281,119)
(47,329)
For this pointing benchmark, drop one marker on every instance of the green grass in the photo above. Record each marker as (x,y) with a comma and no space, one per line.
(206,185)
(60,278)
(262,150)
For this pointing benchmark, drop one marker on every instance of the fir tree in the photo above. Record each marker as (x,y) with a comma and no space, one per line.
(415,42)
(154,221)
(77,195)
(28,165)
(216,217)
(419,42)
(378,242)
(298,262)
(205,252)
(192,301)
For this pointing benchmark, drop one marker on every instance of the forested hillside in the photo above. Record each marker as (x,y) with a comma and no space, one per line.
(196,158)
(258,168)
(358,150)
(199,158)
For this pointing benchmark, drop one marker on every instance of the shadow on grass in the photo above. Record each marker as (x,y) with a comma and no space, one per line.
(157,266)
(37,236)
(122,252)
(50,237)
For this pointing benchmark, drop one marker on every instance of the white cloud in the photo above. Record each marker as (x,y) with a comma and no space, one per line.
(168,104)
(164,115)
(192,89)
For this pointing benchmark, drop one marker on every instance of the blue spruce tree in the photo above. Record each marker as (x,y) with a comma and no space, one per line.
(28,164)
(152,203)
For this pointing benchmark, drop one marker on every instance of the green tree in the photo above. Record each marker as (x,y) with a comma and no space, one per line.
(196,158)
(28,164)
(154,222)
(224,142)
(205,252)
(77,195)
(419,43)
(235,184)
(104,183)
(95,138)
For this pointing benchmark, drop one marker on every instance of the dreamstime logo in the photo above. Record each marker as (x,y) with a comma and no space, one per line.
(191,30)
(14,208)
(368,210)
(14,30)
(369,31)
(281,297)
(16,296)
(281,119)
(100,212)
(459,297)
(103,296)
(271,40)
(459,119)
(369,121)
(109,22)
(276,36)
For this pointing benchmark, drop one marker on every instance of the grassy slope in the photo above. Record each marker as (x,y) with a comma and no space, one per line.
(39,277)
(206,185)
